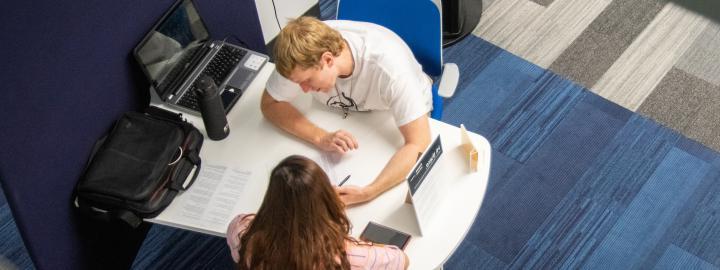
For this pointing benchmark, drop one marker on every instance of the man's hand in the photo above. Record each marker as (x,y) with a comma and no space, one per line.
(285,116)
(352,195)
(339,141)
(417,138)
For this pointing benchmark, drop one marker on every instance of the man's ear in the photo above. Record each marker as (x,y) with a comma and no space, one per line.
(327,58)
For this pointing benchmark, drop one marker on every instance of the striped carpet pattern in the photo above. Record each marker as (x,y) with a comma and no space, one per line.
(603,118)
(12,251)
(577,181)
(655,57)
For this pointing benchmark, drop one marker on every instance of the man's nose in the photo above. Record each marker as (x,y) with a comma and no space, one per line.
(305,88)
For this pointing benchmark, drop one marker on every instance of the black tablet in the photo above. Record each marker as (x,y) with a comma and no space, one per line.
(382,234)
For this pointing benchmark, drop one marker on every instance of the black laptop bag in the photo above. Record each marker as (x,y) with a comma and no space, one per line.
(136,170)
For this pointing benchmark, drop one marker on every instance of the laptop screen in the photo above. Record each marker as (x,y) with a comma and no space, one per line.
(168,48)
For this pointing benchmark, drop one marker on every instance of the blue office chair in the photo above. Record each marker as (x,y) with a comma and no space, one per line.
(419,24)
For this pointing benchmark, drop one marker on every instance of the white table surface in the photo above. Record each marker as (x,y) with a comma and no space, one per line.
(256,145)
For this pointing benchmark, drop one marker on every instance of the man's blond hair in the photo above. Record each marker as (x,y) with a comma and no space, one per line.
(302,42)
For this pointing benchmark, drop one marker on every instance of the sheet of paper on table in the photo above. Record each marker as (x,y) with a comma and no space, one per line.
(213,196)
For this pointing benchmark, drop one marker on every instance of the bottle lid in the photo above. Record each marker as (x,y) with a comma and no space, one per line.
(206,86)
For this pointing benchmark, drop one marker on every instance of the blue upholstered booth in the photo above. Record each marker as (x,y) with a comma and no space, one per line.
(67,74)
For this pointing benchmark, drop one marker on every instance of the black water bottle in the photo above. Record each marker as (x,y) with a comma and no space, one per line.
(211,108)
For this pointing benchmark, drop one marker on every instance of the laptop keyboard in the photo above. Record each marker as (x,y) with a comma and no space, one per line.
(173,79)
(218,69)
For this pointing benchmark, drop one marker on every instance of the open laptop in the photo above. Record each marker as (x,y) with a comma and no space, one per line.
(424,188)
(178,49)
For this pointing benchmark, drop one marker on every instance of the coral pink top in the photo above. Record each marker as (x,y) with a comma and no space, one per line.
(359,256)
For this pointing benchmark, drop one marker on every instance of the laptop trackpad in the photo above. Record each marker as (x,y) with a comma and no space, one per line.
(229,96)
(240,79)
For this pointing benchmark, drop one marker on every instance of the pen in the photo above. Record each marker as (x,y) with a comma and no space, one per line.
(344,180)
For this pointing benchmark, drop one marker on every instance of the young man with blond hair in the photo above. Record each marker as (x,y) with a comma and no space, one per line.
(355,66)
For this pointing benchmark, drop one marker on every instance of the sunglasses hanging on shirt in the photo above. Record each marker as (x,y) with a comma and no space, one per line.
(342,101)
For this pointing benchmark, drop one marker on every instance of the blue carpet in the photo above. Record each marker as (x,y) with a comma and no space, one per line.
(12,250)
(170,248)
(578,182)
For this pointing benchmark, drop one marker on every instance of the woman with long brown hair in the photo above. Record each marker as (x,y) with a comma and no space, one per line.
(302,224)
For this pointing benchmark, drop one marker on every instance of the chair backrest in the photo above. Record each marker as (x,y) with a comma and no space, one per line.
(417,22)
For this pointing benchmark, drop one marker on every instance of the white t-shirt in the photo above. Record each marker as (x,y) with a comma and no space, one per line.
(386,76)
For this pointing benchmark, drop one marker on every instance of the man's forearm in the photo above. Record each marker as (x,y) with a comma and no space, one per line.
(288,118)
(395,170)
(417,138)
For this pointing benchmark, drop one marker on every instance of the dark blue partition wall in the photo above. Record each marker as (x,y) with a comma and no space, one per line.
(66,74)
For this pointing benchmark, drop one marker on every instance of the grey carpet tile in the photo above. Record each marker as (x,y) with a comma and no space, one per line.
(705,129)
(503,21)
(703,57)
(605,39)
(543,2)
(614,20)
(536,33)
(687,104)
(590,55)
(647,60)
(677,100)
(486,4)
